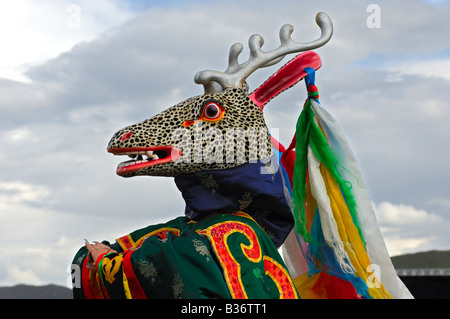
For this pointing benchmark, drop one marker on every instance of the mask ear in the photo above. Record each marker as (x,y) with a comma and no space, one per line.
(287,76)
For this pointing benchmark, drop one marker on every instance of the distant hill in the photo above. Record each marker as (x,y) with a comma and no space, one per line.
(428,259)
(35,292)
(425,287)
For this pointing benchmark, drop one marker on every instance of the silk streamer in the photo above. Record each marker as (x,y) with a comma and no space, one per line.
(337,249)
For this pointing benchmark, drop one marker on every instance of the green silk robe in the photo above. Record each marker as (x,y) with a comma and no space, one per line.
(221,256)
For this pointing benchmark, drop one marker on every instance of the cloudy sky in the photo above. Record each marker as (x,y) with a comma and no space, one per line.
(74,72)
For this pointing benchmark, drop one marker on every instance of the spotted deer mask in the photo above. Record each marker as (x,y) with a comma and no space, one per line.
(224,127)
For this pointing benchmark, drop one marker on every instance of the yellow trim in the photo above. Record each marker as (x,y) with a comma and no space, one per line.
(124,245)
(169,229)
(286,274)
(238,266)
(126,287)
(136,244)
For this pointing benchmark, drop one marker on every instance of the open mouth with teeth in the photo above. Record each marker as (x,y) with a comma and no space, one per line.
(143,157)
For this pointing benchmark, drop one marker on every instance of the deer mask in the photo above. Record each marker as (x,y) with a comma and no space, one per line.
(222,128)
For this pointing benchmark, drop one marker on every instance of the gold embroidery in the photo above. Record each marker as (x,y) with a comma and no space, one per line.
(202,249)
(245,201)
(148,270)
(111,267)
(177,286)
(208,181)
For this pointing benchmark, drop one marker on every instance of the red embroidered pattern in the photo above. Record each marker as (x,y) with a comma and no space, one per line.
(218,235)
(281,278)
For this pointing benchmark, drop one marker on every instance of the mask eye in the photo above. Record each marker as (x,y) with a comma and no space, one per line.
(212,112)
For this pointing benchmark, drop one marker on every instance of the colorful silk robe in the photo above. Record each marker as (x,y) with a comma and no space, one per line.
(220,256)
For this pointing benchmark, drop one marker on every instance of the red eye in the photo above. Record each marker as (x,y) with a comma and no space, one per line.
(212,111)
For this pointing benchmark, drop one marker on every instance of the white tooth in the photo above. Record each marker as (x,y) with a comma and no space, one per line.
(141,153)
(155,157)
(149,153)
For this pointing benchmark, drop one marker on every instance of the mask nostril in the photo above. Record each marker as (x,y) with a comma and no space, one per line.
(126,136)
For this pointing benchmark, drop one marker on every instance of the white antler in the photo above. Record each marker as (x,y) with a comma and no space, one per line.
(235,74)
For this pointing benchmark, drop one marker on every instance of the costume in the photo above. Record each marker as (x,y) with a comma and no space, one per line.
(247,196)
(221,256)
(216,251)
